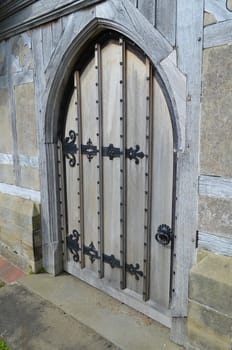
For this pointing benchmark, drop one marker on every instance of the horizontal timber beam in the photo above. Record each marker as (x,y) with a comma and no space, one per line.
(218,34)
(18,191)
(217,244)
(38,13)
(218,187)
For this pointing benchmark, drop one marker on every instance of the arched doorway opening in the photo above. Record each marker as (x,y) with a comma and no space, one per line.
(116,166)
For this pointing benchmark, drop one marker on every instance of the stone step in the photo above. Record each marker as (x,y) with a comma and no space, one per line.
(210,304)
(208,329)
(211,283)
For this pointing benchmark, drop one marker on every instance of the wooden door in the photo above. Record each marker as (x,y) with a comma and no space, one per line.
(118,179)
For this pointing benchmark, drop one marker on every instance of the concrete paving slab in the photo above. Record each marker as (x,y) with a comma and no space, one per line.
(118,323)
(28,322)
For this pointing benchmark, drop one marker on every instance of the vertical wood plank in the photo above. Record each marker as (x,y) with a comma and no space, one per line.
(99,117)
(166,19)
(135,2)
(148,181)
(48,185)
(161,196)
(12,100)
(57,30)
(123,164)
(111,56)
(79,174)
(148,9)
(71,183)
(136,135)
(189,43)
(47,44)
(62,199)
(90,166)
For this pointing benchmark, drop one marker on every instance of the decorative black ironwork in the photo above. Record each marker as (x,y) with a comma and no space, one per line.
(134,270)
(134,154)
(70,148)
(164,234)
(112,261)
(89,149)
(73,244)
(111,152)
(92,252)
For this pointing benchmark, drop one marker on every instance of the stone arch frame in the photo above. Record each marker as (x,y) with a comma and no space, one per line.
(81,26)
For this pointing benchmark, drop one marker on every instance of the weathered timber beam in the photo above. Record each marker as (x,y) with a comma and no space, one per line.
(40,12)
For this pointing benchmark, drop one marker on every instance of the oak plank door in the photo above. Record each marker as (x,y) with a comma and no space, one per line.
(118,179)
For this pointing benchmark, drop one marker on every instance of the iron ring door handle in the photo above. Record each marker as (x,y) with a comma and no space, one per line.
(164,234)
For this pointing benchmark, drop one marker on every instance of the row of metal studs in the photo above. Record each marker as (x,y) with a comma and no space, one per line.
(148,182)
(123,168)
(63,221)
(79,167)
(99,126)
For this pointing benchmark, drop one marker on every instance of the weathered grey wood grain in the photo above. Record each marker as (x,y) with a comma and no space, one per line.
(135,2)
(40,84)
(166,19)
(47,44)
(215,243)
(136,135)
(57,30)
(135,26)
(218,34)
(29,161)
(218,187)
(218,9)
(74,25)
(178,81)
(23,77)
(3,82)
(113,15)
(122,16)
(9,8)
(38,13)
(52,249)
(70,182)
(162,192)
(189,42)
(148,9)
(110,62)
(90,170)
(20,192)
(52,245)
(6,159)
(12,106)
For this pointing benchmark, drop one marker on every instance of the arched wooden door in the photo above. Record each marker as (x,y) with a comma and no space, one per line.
(118,179)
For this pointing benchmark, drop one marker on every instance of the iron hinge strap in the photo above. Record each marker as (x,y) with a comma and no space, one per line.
(73,245)
(70,149)
(197,238)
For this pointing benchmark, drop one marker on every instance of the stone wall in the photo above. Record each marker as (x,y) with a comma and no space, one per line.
(20,232)
(20,238)
(210,294)
(19,165)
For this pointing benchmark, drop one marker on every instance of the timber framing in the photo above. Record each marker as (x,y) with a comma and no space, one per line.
(9,7)
(31,14)
(218,34)
(180,72)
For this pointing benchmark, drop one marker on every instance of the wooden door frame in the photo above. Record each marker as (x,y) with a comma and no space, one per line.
(81,26)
